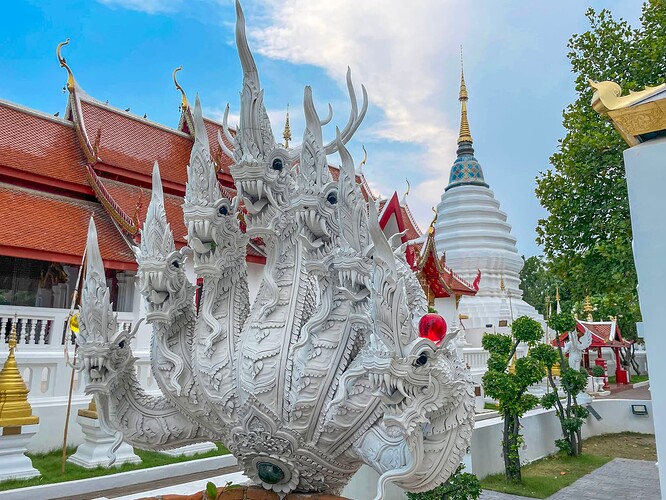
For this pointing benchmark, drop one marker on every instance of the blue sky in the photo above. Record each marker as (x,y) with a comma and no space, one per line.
(406,53)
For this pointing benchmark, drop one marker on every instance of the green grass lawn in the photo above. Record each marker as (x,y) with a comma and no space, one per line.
(546,476)
(634,379)
(49,465)
(490,406)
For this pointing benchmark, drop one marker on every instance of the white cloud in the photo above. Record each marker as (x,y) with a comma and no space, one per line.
(147,6)
(397,49)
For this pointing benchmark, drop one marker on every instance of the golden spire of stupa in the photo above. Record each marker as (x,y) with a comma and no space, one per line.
(14,407)
(465,135)
(287,130)
(587,307)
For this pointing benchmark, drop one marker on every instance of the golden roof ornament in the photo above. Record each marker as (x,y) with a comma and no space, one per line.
(183,102)
(63,64)
(359,170)
(287,130)
(404,196)
(431,229)
(14,407)
(464,135)
(587,307)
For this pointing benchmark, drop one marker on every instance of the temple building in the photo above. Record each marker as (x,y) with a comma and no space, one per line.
(474,235)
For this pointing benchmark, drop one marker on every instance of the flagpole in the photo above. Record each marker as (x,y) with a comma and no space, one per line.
(70,317)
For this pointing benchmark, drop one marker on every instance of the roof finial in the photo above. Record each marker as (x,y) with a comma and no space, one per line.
(404,196)
(588,308)
(359,170)
(431,229)
(63,64)
(465,135)
(287,130)
(183,103)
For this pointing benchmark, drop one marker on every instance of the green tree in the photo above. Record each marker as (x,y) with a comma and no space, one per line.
(507,380)
(539,285)
(571,415)
(587,234)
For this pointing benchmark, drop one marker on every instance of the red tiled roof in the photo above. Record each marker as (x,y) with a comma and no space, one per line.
(133,144)
(127,196)
(604,334)
(403,217)
(40,148)
(57,228)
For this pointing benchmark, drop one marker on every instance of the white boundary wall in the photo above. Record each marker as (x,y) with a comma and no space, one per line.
(540,429)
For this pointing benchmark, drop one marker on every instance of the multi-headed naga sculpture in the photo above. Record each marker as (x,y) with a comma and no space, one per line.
(325,371)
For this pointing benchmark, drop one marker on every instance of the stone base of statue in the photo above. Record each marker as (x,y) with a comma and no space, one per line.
(249,493)
(14,464)
(191,449)
(94,451)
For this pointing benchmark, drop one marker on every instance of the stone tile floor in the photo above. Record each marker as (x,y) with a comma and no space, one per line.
(620,479)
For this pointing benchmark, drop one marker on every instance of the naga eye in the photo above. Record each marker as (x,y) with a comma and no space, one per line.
(421,360)
(277,164)
(121,344)
(175,264)
(223,210)
(332,198)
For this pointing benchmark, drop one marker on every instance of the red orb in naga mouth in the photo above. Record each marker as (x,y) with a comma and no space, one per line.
(432,326)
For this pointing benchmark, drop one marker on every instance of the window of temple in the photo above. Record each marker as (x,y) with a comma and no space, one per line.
(36,283)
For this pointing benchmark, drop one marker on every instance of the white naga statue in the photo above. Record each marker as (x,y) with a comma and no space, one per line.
(325,371)
(575,347)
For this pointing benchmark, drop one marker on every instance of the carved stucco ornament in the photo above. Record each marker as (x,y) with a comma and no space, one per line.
(324,371)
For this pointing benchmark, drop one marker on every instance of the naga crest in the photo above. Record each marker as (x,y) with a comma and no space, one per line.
(213,230)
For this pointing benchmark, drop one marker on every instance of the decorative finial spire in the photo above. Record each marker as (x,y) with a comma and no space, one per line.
(404,196)
(14,407)
(287,130)
(587,307)
(183,102)
(431,229)
(465,135)
(63,64)
(359,170)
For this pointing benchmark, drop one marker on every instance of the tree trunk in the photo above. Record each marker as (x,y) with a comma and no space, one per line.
(505,446)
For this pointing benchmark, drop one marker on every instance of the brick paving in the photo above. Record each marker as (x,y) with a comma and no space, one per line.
(620,479)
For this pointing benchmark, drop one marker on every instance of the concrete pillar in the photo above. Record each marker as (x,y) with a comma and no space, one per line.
(645,166)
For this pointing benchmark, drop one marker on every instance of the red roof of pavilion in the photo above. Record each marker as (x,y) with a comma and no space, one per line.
(441,279)
(403,217)
(604,334)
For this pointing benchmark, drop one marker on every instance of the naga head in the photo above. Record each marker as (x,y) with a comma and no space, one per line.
(162,279)
(316,200)
(213,231)
(103,351)
(261,168)
(424,387)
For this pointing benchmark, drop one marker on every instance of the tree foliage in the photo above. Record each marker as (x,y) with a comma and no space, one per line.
(460,486)
(507,380)
(587,234)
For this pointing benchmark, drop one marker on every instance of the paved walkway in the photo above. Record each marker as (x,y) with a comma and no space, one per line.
(620,479)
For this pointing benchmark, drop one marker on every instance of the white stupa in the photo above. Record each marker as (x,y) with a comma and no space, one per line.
(473,234)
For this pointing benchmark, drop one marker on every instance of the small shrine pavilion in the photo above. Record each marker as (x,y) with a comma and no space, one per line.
(443,286)
(605,335)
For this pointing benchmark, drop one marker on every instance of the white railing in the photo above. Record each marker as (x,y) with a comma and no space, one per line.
(40,350)
(44,326)
(476,358)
